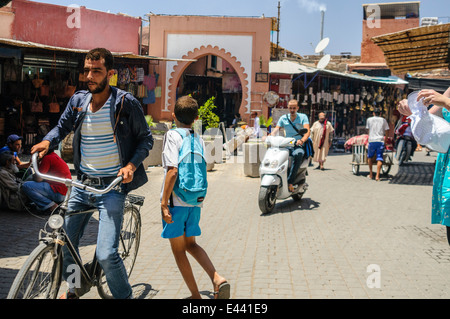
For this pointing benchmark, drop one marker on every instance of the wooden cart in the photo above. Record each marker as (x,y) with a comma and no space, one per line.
(359,157)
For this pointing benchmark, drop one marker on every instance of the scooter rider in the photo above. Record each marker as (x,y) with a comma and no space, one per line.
(404,130)
(292,123)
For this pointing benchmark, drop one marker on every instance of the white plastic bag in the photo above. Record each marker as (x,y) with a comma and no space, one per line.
(428,129)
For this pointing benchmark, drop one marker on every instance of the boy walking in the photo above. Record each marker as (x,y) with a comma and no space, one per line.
(180,219)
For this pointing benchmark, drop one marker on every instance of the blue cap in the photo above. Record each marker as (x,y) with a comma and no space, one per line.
(12,138)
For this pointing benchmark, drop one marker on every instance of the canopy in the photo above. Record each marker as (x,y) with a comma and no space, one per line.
(440,85)
(129,55)
(289,67)
(417,49)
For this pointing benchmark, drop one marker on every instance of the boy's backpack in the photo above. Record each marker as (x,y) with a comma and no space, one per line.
(191,184)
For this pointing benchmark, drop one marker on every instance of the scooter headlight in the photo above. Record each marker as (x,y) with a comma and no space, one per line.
(274,164)
(281,169)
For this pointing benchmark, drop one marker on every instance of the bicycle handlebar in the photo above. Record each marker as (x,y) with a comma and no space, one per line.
(70,182)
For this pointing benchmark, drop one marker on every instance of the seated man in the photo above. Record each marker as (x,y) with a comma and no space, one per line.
(11,196)
(47,195)
(14,145)
(293,122)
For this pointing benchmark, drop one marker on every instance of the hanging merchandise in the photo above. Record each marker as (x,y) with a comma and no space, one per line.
(82,77)
(158,91)
(124,76)
(133,74)
(37,82)
(150,82)
(132,88)
(53,106)
(141,91)
(10,71)
(150,99)
(45,90)
(140,74)
(113,79)
(69,89)
(36,105)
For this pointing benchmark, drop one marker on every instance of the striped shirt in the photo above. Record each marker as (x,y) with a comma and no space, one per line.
(99,152)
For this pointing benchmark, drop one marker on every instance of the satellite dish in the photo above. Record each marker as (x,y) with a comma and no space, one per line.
(324,62)
(271,98)
(322,45)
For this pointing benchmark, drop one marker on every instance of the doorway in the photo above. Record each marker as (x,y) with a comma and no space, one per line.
(212,76)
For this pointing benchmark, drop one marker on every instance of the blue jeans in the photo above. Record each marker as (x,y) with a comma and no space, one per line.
(41,194)
(297,154)
(110,207)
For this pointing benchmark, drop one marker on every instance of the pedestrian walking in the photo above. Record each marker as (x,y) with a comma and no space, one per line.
(181,219)
(321,135)
(440,211)
(256,125)
(111,138)
(378,129)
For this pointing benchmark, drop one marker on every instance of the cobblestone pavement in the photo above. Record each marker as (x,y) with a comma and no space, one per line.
(325,246)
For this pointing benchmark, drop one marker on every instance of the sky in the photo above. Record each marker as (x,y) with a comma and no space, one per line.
(300,20)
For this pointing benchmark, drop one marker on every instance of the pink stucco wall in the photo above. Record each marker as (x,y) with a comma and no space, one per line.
(370,52)
(6,21)
(47,24)
(258,28)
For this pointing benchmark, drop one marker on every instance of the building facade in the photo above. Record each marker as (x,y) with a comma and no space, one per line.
(231,61)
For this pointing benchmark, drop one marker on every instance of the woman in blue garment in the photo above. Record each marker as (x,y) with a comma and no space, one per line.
(440,213)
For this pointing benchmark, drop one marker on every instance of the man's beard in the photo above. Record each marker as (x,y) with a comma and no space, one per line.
(100,87)
(14,168)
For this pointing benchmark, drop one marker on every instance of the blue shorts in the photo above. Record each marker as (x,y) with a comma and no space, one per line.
(185,221)
(378,148)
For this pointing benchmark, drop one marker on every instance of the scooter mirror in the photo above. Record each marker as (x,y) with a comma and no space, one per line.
(303,131)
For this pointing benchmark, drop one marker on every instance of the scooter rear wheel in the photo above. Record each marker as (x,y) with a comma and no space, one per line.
(267,198)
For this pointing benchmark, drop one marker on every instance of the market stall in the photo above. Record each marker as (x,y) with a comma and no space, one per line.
(348,99)
(37,81)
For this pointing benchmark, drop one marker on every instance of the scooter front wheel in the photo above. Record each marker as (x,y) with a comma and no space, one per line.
(267,198)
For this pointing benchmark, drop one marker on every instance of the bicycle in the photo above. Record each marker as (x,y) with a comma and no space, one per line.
(41,275)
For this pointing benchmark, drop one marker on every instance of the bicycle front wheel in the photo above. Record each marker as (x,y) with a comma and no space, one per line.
(129,240)
(40,276)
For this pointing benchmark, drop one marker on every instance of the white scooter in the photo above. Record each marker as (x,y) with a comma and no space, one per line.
(274,173)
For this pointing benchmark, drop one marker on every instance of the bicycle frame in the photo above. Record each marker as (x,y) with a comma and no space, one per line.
(59,235)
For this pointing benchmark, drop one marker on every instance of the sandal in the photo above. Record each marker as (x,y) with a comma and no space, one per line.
(69,295)
(223,292)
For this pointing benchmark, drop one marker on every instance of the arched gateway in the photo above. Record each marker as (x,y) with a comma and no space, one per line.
(198,53)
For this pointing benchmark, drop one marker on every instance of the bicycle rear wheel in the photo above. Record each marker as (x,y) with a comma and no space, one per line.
(40,276)
(129,240)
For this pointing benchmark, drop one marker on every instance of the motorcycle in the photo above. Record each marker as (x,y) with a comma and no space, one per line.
(406,143)
(274,170)
(404,149)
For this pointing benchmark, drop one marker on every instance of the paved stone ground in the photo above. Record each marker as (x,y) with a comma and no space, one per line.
(320,247)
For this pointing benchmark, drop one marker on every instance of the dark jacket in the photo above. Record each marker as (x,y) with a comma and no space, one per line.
(133,136)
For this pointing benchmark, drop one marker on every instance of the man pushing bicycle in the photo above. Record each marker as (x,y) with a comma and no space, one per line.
(111,138)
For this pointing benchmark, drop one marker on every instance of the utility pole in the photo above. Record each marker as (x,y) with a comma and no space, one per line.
(278,31)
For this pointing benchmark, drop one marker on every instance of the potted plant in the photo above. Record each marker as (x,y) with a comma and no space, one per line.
(265,123)
(209,120)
